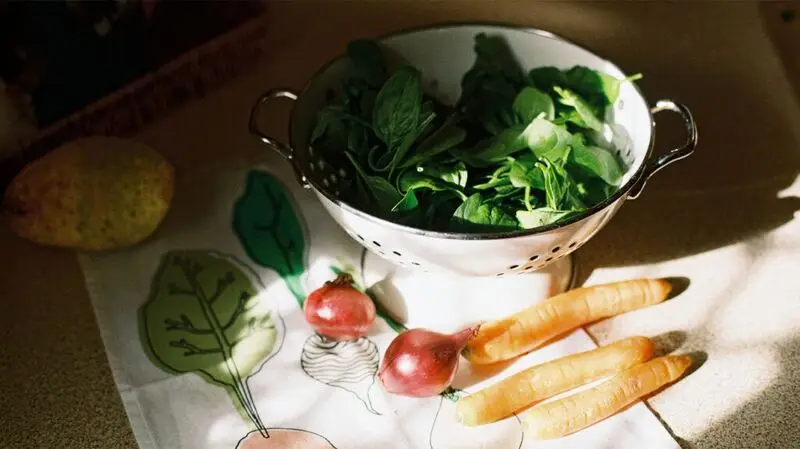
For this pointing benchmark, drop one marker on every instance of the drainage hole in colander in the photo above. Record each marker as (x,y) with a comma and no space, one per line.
(416,264)
(325,182)
(499,274)
(555,250)
(549,259)
(397,253)
(572,245)
(359,237)
(333,177)
(342,173)
(533,258)
(513,267)
(376,243)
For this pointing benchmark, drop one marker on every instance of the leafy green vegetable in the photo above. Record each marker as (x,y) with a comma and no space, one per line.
(517,150)
(598,161)
(522,175)
(397,108)
(531,102)
(443,139)
(542,216)
(475,215)
(382,192)
(205,315)
(546,139)
(583,110)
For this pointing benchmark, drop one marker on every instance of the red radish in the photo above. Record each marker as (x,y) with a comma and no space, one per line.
(421,362)
(338,311)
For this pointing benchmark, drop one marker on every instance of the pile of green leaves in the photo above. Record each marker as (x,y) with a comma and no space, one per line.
(517,150)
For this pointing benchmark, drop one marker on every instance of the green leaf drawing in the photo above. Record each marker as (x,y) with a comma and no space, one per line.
(204,315)
(270,231)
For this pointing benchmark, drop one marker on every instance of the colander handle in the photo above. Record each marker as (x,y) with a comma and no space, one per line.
(282,149)
(673,155)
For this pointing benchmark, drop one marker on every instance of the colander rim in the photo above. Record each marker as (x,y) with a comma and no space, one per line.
(449,235)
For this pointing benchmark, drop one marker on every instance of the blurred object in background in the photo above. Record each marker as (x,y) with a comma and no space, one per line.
(57,57)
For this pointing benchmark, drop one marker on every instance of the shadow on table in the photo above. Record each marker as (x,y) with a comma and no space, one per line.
(769,420)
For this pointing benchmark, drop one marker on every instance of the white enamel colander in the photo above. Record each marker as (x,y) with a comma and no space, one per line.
(443,54)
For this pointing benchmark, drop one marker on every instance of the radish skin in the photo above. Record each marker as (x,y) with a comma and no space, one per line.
(540,382)
(536,325)
(580,410)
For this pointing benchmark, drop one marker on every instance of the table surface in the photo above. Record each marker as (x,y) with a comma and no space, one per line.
(725,218)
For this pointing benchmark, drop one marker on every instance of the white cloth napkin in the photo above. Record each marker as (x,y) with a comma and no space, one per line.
(209,349)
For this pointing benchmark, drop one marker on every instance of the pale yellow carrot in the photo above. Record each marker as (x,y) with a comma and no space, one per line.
(532,327)
(580,410)
(548,379)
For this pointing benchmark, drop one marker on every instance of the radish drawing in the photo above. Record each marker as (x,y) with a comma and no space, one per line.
(284,439)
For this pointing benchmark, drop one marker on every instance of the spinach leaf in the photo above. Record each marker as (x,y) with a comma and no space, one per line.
(544,78)
(555,185)
(475,215)
(397,108)
(407,203)
(598,87)
(546,139)
(584,111)
(409,140)
(499,177)
(494,149)
(331,121)
(541,216)
(358,141)
(419,180)
(455,174)
(381,190)
(612,85)
(597,161)
(522,175)
(368,61)
(441,140)
(488,88)
(531,102)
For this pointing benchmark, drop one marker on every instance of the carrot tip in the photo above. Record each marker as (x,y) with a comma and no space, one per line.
(676,285)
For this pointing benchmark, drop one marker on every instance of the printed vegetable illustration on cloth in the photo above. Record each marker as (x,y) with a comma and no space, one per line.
(206,315)
(272,235)
(285,439)
(448,433)
(350,365)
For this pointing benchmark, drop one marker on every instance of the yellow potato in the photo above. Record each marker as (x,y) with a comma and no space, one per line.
(91,194)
